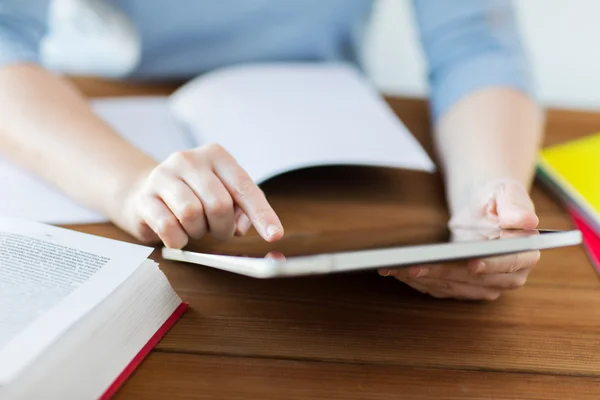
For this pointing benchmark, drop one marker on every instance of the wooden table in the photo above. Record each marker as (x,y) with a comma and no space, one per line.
(361,336)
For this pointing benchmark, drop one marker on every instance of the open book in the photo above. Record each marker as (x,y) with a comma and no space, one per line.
(272,118)
(78,312)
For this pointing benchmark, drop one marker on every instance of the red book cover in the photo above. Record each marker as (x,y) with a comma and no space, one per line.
(591,239)
(137,360)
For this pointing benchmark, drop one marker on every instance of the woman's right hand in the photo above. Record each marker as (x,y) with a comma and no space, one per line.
(195,192)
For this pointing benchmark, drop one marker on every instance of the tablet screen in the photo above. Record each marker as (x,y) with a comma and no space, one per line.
(425,238)
(314,243)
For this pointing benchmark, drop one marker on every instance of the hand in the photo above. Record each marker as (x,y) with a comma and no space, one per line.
(503,204)
(193,193)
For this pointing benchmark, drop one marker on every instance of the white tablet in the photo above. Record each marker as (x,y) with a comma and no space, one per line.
(459,245)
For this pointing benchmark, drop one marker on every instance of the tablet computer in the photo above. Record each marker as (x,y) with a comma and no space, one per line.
(459,244)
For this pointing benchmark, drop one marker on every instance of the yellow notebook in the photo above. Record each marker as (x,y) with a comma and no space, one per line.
(573,169)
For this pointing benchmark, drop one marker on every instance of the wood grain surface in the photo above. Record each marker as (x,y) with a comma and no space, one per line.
(361,336)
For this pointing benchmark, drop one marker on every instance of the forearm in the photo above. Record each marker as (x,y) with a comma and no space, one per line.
(48,128)
(491,134)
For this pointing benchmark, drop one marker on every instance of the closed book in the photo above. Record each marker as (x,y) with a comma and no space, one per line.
(572,170)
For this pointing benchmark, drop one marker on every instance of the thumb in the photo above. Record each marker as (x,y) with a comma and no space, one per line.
(514,207)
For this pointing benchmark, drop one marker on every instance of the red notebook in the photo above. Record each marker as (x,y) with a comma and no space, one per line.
(591,240)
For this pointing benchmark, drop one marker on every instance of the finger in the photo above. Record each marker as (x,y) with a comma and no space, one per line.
(254,203)
(405,272)
(184,204)
(454,290)
(248,196)
(512,281)
(504,264)
(216,200)
(451,272)
(144,233)
(473,234)
(162,221)
(516,233)
(461,274)
(242,222)
(514,207)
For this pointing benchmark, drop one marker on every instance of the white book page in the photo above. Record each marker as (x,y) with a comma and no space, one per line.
(281,117)
(49,279)
(93,356)
(143,121)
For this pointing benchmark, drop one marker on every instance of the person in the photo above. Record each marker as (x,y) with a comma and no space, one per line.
(487,124)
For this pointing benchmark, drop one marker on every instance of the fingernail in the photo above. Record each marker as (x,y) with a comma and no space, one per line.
(272,230)
(386,272)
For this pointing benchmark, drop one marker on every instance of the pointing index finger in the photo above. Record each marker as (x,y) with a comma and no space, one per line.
(248,196)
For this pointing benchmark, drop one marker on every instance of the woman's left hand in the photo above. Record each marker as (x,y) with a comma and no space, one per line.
(501,204)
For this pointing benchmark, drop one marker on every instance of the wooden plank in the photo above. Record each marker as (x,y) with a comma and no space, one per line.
(178,376)
(359,320)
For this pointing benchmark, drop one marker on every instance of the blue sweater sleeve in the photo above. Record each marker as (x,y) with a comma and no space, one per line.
(469,45)
(22,27)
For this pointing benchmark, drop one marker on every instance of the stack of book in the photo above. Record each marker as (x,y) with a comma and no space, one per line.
(572,171)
